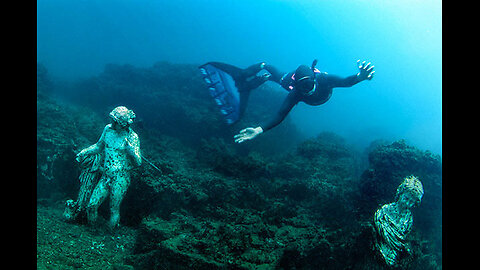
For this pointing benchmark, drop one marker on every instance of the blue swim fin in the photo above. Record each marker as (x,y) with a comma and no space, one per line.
(222,88)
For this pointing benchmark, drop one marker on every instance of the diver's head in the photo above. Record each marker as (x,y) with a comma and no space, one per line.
(304,79)
(122,116)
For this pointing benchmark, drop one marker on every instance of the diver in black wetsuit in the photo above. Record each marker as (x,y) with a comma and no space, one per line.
(306,84)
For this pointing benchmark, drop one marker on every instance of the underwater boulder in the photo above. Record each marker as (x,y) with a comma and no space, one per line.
(174,244)
(391,163)
(225,159)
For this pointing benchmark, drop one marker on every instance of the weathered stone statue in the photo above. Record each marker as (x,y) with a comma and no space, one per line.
(392,222)
(120,146)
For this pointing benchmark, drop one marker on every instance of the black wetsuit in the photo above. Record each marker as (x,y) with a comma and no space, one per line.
(247,79)
(323,91)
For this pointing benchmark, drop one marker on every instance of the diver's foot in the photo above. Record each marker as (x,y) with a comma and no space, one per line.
(265,76)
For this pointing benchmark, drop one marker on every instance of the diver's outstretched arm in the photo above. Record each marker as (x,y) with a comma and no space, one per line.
(337,81)
(250,132)
(365,73)
(290,101)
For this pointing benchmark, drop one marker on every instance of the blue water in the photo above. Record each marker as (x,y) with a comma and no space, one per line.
(403,39)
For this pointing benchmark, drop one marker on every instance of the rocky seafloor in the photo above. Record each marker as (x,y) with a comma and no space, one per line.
(279,202)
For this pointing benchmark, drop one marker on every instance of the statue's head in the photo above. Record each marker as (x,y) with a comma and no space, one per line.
(410,192)
(122,116)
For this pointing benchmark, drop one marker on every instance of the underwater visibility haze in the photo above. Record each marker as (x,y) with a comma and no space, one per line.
(401,38)
(300,196)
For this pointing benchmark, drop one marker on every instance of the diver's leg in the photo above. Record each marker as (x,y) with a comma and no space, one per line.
(98,196)
(243,102)
(253,69)
(250,84)
(276,75)
(234,71)
(256,81)
(238,73)
(119,188)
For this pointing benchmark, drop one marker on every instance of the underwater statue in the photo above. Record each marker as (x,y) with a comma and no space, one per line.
(392,222)
(120,147)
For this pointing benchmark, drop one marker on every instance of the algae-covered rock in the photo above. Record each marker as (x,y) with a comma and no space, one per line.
(55,150)
(225,159)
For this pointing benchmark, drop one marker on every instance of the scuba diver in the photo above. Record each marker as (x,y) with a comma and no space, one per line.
(306,84)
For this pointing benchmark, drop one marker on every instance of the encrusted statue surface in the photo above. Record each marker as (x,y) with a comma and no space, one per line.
(91,171)
(392,222)
(120,147)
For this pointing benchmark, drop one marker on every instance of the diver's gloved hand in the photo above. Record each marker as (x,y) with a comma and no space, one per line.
(365,71)
(247,134)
